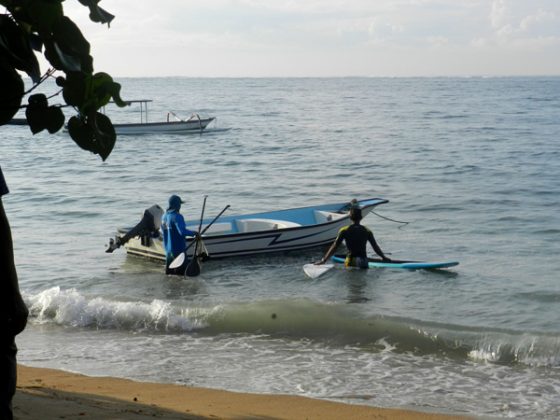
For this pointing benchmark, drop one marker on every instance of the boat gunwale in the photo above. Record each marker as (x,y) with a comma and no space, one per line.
(287,229)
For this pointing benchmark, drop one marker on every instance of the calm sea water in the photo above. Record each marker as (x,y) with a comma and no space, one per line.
(472,164)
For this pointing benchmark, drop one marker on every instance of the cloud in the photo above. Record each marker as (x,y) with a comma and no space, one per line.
(521,19)
(313,34)
(541,22)
(498,14)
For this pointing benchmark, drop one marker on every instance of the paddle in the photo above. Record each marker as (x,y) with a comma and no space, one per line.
(314,271)
(177,262)
(193,269)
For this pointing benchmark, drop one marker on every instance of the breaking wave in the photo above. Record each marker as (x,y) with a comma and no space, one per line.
(334,324)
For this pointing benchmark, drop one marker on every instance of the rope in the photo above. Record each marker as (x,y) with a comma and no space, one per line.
(391,220)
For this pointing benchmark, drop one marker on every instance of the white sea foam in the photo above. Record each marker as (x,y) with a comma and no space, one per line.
(71,308)
(526,349)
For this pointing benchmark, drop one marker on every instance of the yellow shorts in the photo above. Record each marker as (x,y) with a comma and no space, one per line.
(359,262)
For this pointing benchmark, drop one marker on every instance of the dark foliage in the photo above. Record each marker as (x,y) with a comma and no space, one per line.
(40,27)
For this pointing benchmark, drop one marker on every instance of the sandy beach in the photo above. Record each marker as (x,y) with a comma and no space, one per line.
(53,394)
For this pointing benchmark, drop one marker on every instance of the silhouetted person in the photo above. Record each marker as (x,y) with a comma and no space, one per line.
(13,312)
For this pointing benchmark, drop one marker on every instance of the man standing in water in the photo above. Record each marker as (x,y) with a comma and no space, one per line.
(174,232)
(13,312)
(356,237)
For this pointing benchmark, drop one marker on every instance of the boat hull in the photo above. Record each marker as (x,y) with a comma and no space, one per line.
(288,230)
(18,121)
(170,127)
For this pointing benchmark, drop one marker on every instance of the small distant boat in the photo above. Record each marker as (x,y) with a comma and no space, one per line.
(18,121)
(173,124)
(258,233)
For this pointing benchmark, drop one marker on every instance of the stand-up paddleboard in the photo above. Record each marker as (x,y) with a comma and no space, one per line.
(407,265)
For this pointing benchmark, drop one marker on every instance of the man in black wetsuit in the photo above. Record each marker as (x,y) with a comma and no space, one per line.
(356,238)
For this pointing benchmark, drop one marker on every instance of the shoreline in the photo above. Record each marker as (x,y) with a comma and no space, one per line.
(49,393)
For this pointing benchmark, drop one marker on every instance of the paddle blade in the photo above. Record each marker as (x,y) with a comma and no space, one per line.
(313,271)
(193,269)
(178,262)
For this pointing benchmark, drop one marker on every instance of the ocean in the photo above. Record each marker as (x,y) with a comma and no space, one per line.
(472,164)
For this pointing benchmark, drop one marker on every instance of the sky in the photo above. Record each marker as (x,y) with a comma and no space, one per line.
(324,38)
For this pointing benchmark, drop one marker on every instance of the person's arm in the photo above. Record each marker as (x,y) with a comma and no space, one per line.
(332,249)
(182,227)
(376,247)
(16,311)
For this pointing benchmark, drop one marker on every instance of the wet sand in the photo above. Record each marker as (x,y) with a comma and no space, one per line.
(54,394)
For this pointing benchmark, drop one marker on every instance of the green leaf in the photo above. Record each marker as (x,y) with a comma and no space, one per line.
(94,133)
(68,50)
(58,62)
(69,37)
(67,62)
(75,88)
(101,84)
(54,119)
(15,47)
(101,15)
(104,135)
(106,89)
(96,13)
(36,42)
(39,100)
(36,112)
(44,14)
(99,92)
(115,91)
(80,133)
(11,89)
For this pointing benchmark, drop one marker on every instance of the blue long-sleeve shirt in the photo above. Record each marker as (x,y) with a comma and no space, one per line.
(174,230)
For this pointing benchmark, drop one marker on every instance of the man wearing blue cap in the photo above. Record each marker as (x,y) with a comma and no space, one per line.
(174,232)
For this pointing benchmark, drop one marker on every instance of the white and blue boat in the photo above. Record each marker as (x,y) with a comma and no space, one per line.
(259,233)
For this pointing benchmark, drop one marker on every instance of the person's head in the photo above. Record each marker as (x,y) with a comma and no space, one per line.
(175,203)
(356,214)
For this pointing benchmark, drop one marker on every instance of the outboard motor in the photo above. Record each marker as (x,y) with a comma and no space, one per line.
(147,229)
(151,222)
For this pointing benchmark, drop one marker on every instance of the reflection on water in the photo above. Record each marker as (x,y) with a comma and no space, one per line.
(359,281)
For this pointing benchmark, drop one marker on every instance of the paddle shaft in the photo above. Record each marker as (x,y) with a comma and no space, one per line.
(200,225)
(215,218)
(193,268)
(209,224)
(179,260)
